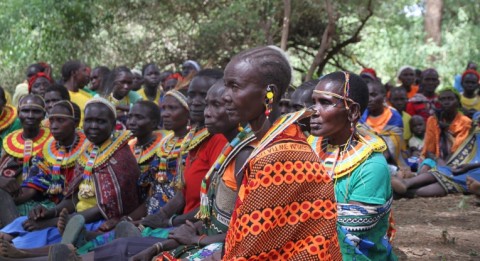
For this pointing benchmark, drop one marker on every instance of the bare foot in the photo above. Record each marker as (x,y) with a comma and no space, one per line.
(398,185)
(8,250)
(62,220)
(473,186)
(6,237)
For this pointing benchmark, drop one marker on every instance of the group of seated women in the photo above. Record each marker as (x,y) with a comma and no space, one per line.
(212,170)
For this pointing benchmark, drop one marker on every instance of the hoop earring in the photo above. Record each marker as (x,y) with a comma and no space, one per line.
(268,100)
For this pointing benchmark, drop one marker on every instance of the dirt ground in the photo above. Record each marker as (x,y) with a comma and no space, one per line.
(445,228)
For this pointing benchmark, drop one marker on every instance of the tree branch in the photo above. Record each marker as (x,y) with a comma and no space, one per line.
(353,39)
(326,40)
(286,23)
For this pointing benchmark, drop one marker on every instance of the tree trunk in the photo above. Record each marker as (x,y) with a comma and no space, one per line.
(433,20)
(327,38)
(286,23)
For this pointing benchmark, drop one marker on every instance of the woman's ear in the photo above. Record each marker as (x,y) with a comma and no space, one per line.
(354,112)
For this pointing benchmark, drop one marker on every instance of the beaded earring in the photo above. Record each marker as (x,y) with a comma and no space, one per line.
(268,100)
(240,128)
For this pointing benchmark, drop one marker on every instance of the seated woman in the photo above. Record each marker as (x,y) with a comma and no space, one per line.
(157,156)
(9,122)
(117,89)
(386,122)
(446,130)
(470,100)
(219,189)
(446,177)
(20,146)
(275,215)
(354,159)
(52,167)
(101,188)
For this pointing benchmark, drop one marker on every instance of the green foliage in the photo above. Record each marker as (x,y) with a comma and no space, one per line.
(134,32)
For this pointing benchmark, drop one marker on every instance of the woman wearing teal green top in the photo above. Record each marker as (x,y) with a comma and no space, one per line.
(354,158)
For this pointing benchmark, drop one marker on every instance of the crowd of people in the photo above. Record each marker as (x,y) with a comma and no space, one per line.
(226,164)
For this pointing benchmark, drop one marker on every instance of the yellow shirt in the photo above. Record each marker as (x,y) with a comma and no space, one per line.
(471,103)
(80,98)
(141,92)
(86,202)
(406,126)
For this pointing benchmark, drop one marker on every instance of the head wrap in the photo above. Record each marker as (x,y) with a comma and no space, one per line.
(180,97)
(192,63)
(403,68)
(136,71)
(471,71)
(32,79)
(100,100)
(449,89)
(369,72)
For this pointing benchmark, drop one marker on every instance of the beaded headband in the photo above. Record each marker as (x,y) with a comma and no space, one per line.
(346,92)
(100,100)
(32,105)
(180,97)
(63,115)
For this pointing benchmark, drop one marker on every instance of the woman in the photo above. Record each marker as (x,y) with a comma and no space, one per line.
(219,189)
(101,188)
(354,159)
(448,129)
(20,146)
(282,172)
(441,175)
(97,77)
(39,83)
(52,168)
(9,121)
(117,88)
(151,90)
(406,76)
(386,122)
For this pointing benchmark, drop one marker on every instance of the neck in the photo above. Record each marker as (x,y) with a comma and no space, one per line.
(181,132)
(408,88)
(231,134)
(30,133)
(468,94)
(199,125)
(150,91)
(71,85)
(449,115)
(117,97)
(68,141)
(341,138)
(429,94)
(145,139)
(375,113)
(260,126)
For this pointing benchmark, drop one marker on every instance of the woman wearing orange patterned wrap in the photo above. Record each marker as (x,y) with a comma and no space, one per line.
(285,208)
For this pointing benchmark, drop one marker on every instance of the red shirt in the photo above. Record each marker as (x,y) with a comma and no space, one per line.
(199,161)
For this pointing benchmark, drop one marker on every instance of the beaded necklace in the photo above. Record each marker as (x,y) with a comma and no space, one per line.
(88,187)
(191,141)
(169,149)
(204,211)
(8,116)
(145,151)
(27,155)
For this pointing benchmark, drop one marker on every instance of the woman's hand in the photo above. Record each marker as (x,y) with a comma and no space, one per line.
(185,234)
(109,225)
(157,220)
(460,169)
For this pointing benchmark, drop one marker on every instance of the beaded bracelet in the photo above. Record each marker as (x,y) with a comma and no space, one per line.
(200,239)
(170,221)
(158,247)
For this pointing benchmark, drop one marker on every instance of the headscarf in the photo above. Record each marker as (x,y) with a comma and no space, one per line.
(403,68)
(369,72)
(32,79)
(193,63)
(449,89)
(100,100)
(471,71)
(180,98)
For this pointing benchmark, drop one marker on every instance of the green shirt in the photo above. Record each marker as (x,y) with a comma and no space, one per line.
(369,184)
